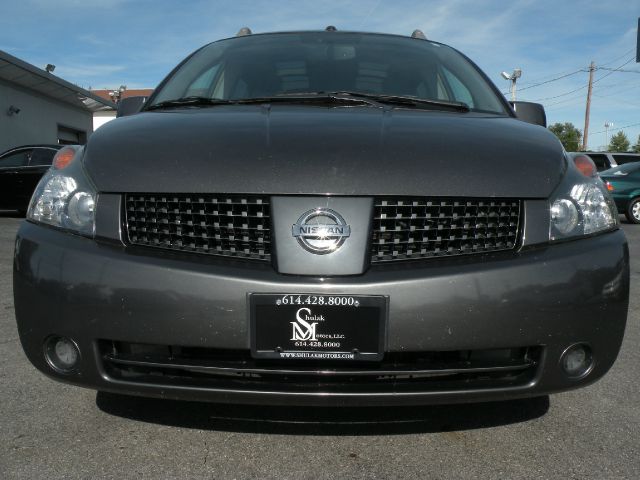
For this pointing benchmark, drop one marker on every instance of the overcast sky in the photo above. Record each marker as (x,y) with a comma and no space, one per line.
(106,43)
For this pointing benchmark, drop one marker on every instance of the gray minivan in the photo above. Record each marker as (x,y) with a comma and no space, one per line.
(323,218)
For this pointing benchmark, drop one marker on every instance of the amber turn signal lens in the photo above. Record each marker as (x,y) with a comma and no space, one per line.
(609,187)
(585,165)
(63,158)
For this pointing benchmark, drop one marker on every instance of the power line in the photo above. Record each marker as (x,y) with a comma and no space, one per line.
(618,58)
(545,77)
(614,70)
(610,85)
(562,94)
(616,92)
(553,79)
(561,75)
(619,70)
(583,86)
(549,81)
(592,68)
(566,100)
(621,128)
(622,102)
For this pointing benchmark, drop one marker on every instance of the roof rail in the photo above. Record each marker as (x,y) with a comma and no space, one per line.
(243,32)
(418,34)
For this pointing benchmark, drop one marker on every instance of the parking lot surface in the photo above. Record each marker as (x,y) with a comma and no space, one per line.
(51,430)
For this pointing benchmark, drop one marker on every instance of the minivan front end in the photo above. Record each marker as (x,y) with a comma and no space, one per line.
(314,249)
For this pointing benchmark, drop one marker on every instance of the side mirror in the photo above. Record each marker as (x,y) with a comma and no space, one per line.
(530,112)
(130,105)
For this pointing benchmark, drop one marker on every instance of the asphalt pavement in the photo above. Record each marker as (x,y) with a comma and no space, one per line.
(51,430)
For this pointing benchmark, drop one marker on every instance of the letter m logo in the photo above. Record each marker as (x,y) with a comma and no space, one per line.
(303,330)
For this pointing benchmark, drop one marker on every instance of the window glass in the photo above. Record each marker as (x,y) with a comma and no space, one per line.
(71,136)
(269,65)
(371,77)
(460,92)
(16,159)
(204,84)
(601,161)
(621,159)
(42,156)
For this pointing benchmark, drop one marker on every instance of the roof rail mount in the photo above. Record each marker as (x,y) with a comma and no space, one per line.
(418,34)
(243,32)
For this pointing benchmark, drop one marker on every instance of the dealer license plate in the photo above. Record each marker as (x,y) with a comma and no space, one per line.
(317,327)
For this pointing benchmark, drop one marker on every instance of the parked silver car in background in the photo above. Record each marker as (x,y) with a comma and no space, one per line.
(607,160)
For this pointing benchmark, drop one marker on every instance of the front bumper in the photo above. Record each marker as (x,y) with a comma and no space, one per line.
(97,293)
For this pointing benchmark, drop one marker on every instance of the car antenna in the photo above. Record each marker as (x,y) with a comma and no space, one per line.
(331,28)
(243,32)
(418,34)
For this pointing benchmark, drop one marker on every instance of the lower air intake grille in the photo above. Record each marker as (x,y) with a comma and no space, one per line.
(412,228)
(398,372)
(216,224)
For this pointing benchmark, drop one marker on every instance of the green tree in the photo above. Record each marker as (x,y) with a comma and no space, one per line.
(636,147)
(568,135)
(619,142)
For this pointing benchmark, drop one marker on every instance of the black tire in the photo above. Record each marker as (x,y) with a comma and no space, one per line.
(633,211)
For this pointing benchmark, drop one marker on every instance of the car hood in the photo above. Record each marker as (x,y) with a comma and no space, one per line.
(317,150)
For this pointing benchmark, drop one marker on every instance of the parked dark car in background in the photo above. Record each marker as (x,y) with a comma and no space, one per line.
(323,218)
(623,183)
(21,168)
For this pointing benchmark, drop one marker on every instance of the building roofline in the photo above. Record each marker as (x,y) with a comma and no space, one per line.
(91,101)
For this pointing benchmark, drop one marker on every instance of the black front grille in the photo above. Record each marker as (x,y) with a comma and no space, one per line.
(406,228)
(217,224)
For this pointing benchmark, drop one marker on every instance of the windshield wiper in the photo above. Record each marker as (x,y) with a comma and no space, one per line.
(315,97)
(189,102)
(318,97)
(284,98)
(404,101)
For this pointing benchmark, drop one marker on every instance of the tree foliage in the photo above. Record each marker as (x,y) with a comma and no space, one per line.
(636,147)
(568,135)
(619,142)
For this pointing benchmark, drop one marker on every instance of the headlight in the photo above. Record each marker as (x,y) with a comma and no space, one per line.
(65,197)
(580,206)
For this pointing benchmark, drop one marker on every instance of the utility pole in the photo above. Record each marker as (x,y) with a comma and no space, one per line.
(585,138)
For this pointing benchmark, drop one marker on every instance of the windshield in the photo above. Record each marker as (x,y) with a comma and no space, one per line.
(274,65)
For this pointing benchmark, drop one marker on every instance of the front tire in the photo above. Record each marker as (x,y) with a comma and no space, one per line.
(633,211)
